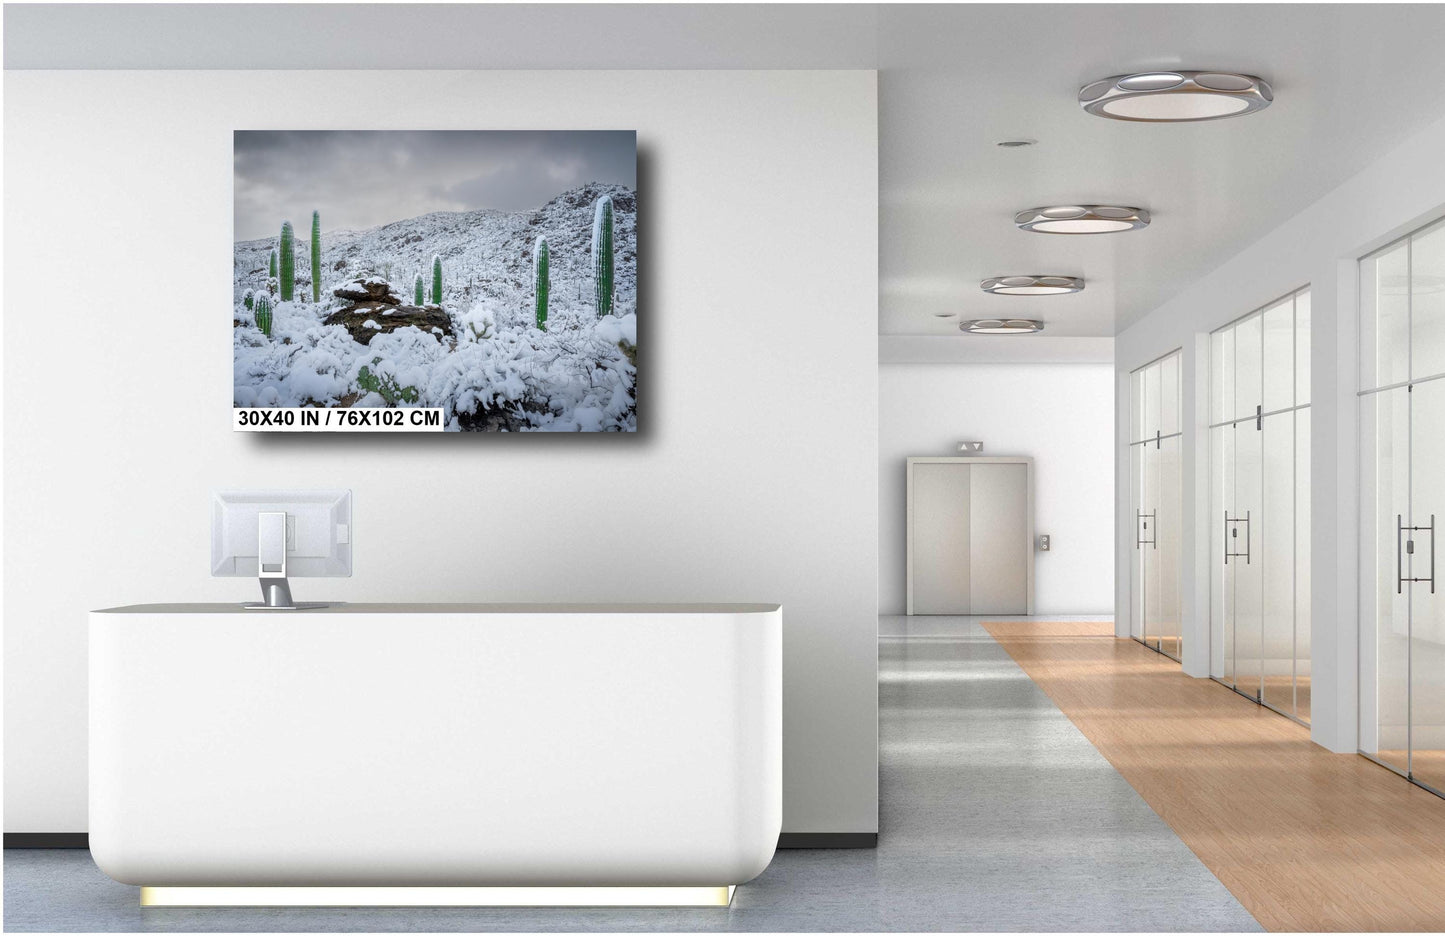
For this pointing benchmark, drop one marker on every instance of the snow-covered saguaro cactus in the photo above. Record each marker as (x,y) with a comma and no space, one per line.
(602,255)
(273,264)
(288,262)
(436,279)
(248,299)
(263,314)
(420,291)
(315,256)
(541,280)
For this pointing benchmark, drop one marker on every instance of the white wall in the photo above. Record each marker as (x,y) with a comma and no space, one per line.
(1062,414)
(753,477)
(1319,247)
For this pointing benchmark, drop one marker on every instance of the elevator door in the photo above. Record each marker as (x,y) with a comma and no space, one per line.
(970,536)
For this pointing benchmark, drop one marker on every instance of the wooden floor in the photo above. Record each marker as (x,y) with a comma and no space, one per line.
(1306,840)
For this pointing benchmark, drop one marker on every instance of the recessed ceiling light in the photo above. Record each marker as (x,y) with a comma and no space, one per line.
(1032,285)
(1082,219)
(1001,326)
(1174,96)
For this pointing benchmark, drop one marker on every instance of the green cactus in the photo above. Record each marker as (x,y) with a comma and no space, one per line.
(315,256)
(436,279)
(420,291)
(602,262)
(288,262)
(249,299)
(263,314)
(385,385)
(541,280)
(273,264)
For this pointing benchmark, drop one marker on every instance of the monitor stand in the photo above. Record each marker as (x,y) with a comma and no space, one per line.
(276,596)
(271,564)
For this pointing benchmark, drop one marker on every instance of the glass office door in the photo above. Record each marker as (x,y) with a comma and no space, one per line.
(1402,475)
(1155,445)
(1259,498)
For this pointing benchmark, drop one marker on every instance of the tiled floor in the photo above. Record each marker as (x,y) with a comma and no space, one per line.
(997,815)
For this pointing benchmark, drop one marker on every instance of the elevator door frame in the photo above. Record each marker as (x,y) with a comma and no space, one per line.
(1027,463)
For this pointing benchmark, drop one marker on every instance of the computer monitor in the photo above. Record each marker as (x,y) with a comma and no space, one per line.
(273,535)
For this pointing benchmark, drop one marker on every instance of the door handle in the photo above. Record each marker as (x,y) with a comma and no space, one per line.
(1142,536)
(1409,548)
(1231,532)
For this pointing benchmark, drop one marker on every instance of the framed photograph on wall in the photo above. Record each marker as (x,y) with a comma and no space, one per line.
(471,281)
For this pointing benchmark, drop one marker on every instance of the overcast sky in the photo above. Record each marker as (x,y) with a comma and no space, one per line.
(360,179)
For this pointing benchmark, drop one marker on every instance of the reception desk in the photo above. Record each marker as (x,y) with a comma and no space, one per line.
(434,747)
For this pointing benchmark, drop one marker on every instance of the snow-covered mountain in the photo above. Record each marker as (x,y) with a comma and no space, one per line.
(497,369)
(486,255)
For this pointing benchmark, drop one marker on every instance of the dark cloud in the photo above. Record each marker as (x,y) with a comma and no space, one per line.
(360,179)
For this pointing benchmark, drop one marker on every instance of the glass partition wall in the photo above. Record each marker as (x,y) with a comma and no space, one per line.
(1155,441)
(1259,451)
(1402,503)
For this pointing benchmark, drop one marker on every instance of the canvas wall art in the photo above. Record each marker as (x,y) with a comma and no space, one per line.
(486,280)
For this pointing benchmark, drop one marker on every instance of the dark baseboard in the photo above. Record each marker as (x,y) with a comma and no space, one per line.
(786,840)
(828,840)
(47,840)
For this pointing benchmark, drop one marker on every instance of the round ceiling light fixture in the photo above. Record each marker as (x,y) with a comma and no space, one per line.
(1082,219)
(1175,96)
(1001,326)
(1032,285)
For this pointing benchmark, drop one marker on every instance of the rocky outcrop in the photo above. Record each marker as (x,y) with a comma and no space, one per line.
(366,320)
(376,309)
(367,289)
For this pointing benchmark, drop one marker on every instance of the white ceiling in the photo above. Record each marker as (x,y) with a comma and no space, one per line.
(1350,82)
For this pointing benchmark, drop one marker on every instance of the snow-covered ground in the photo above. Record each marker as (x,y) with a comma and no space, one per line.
(497,370)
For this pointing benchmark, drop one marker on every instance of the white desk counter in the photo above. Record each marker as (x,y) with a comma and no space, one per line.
(442,745)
